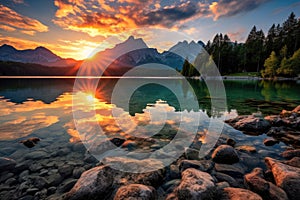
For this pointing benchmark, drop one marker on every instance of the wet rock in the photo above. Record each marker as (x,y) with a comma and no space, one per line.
(136,191)
(296,110)
(270,141)
(78,147)
(54,179)
(5,176)
(7,164)
(77,172)
(202,165)
(250,124)
(245,148)
(26,197)
(129,144)
(93,184)
(36,155)
(23,175)
(11,181)
(97,182)
(174,172)
(195,185)
(225,154)
(65,170)
(222,185)
(40,182)
(34,167)
(224,177)
(286,177)
(235,171)
(32,191)
(63,152)
(42,194)
(170,185)
(191,154)
(288,154)
(230,142)
(30,142)
(67,185)
(239,194)
(255,182)
(294,162)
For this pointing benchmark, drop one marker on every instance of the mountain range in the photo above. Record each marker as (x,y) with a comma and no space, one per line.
(128,54)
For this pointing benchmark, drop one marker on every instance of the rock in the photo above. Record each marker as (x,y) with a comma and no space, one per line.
(26,197)
(77,172)
(136,191)
(67,185)
(174,172)
(5,176)
(245,148)
(202,165)
(195,185)
(288,154)
(63,152)
(235,171)
(36,155)
(286,177)
(270,141)
(93,184)
(11,181)
(239,194)
(224,177)
(230,142)
(222,185)
(66,170)
(297,109)
(294,162)
(34,167)
(54,179)
(97,182)
(32,191)
(51,190)
(170,185)
(191,154)
(30,142)
(117,141)
(255,182)
(40,182)
(7,164)
(225,154)
(250,124)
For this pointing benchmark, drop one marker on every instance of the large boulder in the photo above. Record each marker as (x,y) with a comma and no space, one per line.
(101,181)
(194,185)
(225,154)
(286,177)
(250,124)
(136,191)
(255,182)
(239,194)
(7,164)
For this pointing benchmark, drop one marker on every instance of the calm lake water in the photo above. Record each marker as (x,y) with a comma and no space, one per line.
(44,108)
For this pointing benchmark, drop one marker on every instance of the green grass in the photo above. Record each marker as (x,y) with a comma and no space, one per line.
(244,74)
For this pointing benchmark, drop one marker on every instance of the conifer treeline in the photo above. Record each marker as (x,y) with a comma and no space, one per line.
(276,54)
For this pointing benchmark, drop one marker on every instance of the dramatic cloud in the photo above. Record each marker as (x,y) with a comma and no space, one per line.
(9,19)
(228,8)
(103,17)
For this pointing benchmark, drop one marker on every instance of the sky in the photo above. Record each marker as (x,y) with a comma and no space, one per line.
(75,28)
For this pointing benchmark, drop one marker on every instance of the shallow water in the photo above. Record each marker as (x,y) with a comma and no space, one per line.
(46,108)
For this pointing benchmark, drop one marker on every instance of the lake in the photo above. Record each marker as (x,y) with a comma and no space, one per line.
(46,108)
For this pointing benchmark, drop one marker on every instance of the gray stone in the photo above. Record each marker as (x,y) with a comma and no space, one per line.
(67,185)
(7,164)
(225,154)
(224,177)
(202,165)
(77,171)
(36,155)
(192,154)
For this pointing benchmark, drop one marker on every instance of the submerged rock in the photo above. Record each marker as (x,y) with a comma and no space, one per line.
(136,191)
(7,164)
(239,194)
(195,185)
(250,124)
(30,142)
(288,154)
(225,154)
(270,141)
(286,177)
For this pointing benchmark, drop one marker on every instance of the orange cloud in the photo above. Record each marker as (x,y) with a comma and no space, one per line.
(7,28)
(27,25)
(104,17)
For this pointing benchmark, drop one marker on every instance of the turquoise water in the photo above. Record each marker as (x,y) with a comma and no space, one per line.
(46,107)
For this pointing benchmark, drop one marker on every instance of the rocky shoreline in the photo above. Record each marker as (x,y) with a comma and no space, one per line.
(229,171)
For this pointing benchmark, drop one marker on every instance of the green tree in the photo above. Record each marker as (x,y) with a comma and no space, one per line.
(186,68)
(271,65)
